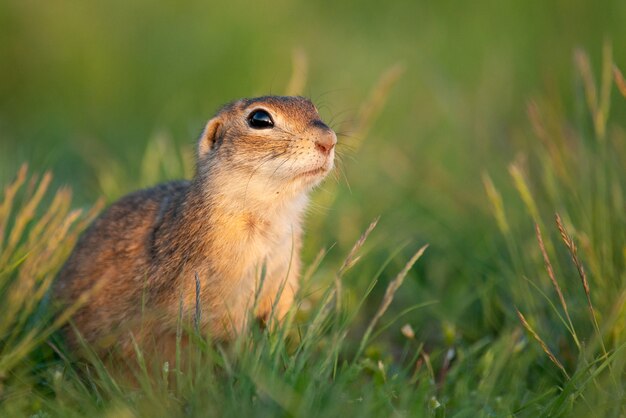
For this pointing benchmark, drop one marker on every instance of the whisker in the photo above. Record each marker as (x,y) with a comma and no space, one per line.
(345,148)
(327,92)
(293,162)
(339,119)
(265,160)
(276,169)
(345,177)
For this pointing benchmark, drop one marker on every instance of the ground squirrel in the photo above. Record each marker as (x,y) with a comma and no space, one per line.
(257,159)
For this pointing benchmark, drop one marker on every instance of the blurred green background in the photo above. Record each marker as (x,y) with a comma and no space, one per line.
(85,86)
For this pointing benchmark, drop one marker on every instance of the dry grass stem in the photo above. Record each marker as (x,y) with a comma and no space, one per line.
(619,80)
(7,202)
(350,261)
(393,286)
(550,271)
(524,191)
(569,243)
(299,73)
(584,69)
(312,268)
(375,103)
(35,250)
(25,215)
(605,86)
(598,105)
(547,139)
(352,258)
(543,345)
(496,202)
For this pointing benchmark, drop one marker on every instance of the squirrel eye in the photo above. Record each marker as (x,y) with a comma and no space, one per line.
(260,119)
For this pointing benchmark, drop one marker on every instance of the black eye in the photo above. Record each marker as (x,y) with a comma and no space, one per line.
(260,119)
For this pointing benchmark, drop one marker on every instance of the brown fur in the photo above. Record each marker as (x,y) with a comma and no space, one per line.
(241,213)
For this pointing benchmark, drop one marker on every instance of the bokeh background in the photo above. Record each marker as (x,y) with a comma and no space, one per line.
(102,92)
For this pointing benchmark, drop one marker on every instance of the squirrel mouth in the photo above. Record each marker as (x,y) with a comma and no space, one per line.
(312,173)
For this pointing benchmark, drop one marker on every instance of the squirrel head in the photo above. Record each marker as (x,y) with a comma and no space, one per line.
(274,144)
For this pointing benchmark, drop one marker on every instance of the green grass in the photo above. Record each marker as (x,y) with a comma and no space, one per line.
(472,131)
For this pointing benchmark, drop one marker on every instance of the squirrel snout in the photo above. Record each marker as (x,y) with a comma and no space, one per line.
(326,142)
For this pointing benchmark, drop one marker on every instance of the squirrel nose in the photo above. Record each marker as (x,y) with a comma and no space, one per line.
(326,142)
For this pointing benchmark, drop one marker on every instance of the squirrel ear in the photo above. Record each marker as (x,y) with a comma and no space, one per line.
(210,136)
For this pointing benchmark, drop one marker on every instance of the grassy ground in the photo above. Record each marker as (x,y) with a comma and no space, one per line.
(494,134)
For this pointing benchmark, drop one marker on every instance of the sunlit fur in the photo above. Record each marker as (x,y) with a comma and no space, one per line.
(240,215)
